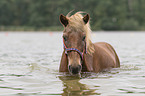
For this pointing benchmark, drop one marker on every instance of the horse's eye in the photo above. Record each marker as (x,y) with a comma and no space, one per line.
(65,39)
(84,38)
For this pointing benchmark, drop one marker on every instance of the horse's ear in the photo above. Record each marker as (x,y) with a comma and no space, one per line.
(86,18)
(63,20)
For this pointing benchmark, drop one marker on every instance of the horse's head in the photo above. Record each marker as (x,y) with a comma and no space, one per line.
(74,39)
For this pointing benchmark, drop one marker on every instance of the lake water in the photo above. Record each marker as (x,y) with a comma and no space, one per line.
(29,64)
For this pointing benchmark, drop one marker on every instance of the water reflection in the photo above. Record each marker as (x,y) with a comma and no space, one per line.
(73,87)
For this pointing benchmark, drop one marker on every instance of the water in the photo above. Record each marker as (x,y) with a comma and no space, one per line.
(29,64)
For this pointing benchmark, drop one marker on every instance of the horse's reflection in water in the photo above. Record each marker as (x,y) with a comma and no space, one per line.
(73,87)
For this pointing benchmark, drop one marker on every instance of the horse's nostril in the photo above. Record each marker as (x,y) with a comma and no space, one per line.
(69,67)
(80,67)
(75,70)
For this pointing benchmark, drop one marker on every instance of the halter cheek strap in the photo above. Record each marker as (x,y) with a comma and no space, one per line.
(74,49)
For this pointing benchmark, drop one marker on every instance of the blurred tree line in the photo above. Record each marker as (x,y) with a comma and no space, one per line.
(105,14)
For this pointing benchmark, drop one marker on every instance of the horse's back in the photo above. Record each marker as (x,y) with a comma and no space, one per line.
(107,54)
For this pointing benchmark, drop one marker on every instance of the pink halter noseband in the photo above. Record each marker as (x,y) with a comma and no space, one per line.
(74,49)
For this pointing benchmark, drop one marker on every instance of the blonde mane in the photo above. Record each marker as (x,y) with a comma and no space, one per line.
(77,22)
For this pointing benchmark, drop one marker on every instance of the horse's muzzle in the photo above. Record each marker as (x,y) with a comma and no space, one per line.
(75,69)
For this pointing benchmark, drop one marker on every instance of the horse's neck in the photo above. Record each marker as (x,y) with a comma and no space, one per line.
(92,62)
(88,63)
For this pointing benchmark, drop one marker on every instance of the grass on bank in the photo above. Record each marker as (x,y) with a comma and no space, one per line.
(60,28)
(27,28)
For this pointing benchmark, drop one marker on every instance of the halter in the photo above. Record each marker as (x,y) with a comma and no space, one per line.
(74,49)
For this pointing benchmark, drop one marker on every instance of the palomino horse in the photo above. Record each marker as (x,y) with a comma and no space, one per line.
(80,54)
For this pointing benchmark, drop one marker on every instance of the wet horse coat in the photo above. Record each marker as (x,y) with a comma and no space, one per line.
(96,56)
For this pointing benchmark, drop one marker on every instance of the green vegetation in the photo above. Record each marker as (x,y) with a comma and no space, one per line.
(29,28)
(43,15)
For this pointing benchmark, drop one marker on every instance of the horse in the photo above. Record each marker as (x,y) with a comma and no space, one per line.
(80,54)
